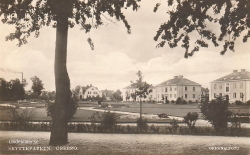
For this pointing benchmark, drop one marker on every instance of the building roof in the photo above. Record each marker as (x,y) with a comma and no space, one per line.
(179,80)
(242,75)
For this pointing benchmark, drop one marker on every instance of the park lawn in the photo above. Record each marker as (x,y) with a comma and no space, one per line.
(147,108)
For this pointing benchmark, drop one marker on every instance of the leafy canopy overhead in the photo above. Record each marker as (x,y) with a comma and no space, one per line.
(29,16)
(188,16)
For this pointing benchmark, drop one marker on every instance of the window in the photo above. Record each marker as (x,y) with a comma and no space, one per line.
(214,95)
(170,88)
(234,95)
(241,85)
(166,89)
(241,95)
(175,88)
(186,96)
(220,94)
(227,87)
(193,88)
(186,88)
(158,96)
(220,86)
(193,95)
(174,95)
(215,86)
(170,95)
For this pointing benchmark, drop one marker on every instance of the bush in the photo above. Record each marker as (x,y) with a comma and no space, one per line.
(184,102)
(179,100)
(248,102)
(190,102)
(23,117)
(167,101)
(108,120)
(216,112)
(172,101)
(173,126)
(190,119)
(142,124)
(238,102)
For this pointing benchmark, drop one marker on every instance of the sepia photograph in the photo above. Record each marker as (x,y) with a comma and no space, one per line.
(125,77)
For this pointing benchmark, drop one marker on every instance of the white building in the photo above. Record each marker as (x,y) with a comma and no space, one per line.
(178,87)
(89,91)
(236,85)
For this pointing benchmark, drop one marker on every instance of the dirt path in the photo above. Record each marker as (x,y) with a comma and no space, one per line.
(123,144)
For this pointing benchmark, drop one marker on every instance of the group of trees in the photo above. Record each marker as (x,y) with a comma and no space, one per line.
(187,16)
(13,90)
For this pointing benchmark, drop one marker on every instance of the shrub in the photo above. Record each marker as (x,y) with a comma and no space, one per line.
(167,101)
(142,124)
(248,102)
(108,120)
(23,117)
(216,112)
(190,119)
(178,100)
(172,101)
(154,129)
(190,102)
(237,102)
(173,126)
(184,102)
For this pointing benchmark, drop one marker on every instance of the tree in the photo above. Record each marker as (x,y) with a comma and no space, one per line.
(141,91)
(216,112)
(201,17)
(37,85)
(117,95)
(29,16)
(12,90)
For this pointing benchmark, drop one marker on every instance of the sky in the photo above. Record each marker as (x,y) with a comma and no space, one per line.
(117,55)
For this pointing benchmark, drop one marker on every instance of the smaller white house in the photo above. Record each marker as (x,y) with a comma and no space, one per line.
(89,91)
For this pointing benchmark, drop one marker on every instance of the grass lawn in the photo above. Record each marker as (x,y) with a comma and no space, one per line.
(147,108)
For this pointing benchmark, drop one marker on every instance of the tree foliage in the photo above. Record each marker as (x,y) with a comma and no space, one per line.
(37,85)
(216,112)
(189,16)
(142,86)
(30,16)
(11,90)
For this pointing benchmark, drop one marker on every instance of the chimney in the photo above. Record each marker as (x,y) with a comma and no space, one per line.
(175,77)
(243,70)
(235,71)
(180,76)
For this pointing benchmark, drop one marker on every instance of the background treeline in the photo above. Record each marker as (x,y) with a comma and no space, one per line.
(11,90)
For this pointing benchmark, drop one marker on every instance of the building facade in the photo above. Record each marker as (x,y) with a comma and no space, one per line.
(127,94)
(236,85)
(88,91)
(178,87)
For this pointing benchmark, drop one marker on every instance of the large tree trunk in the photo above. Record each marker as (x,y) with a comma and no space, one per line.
(59,133)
